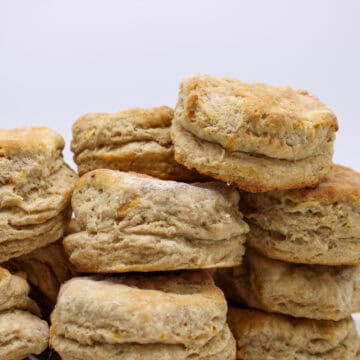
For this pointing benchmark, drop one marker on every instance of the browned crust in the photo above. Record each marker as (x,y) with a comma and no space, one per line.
(163,167)
(110,178)
(36,139)
(148,118)
(274,102)
(341,184)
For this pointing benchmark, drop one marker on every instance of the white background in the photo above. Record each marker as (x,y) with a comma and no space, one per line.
(60,59)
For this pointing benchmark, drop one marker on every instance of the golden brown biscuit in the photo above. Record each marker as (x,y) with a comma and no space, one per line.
(178,316)
(22,334)
(256,136)
(131,222)
(266,336)
(311,291)
(35,190)
(131,140)
(319,225)
(14,293)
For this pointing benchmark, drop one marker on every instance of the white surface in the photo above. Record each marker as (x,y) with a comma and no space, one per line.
(60,59)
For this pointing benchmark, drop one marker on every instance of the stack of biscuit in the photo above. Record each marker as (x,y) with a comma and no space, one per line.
(299,274)
(132,222)
(302,261)
(231,198)
(35,190)
(35,194)
(276,146)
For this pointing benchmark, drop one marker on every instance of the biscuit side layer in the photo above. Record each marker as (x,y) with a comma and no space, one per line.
(305,231)
(250,172)
(259,335)
(311,291)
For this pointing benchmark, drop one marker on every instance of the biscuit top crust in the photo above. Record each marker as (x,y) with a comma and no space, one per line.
(311,335)
(199,284)
(31,139)
(115,179)
(275,121)
(342,184)
(100,129)
(154,117)
(119,180)
(106,200)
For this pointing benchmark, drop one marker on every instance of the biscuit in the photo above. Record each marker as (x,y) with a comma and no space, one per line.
(266,336)
(22,334)
(256,136)
(177,316)
(46,269)
(319,225)
(35,189)
(311,291)
(131,140)
(131,222)
(14,293)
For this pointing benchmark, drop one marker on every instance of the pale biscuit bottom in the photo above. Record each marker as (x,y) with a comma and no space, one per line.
(252,173)
(103,253)
(221,347)
(151,159)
